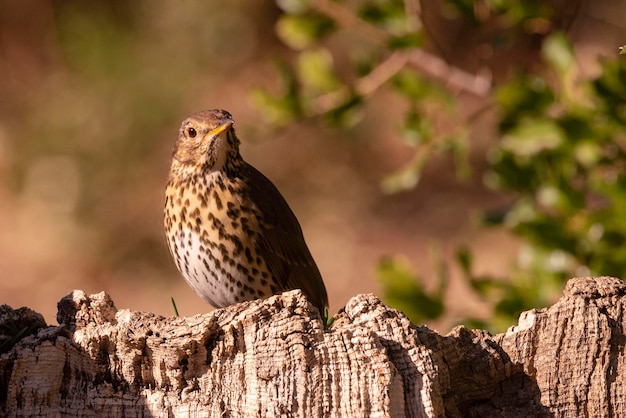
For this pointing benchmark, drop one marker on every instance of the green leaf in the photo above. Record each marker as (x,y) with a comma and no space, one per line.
(348,113)
(526,96)
(487,286)
(300,32)
(316,72)
(416,129)
(465,259)
(389,15)
(411,84)
(404,179)
(558,51)
(284,106)
(407,41)
(532,137)
(403,291)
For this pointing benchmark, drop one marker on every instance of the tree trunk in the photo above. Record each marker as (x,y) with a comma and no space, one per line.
(273,358)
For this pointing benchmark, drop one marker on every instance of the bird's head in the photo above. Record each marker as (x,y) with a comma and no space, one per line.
(206,143)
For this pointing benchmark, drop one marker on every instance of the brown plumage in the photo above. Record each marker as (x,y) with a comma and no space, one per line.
(231,233)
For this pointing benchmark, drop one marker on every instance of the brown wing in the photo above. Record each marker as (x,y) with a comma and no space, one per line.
(282,244)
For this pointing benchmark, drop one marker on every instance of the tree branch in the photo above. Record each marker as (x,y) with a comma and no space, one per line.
(431,65)
(364,86)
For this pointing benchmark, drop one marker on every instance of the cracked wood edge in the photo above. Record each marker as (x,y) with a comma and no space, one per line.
(272,358)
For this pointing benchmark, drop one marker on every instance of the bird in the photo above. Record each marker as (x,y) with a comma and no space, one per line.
(231,233)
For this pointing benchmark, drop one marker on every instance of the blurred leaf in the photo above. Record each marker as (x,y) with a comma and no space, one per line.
(348,113)
(475,323)
(493,217)
(558,51)
(530,138)
(524,96)
(458,145)
(466,8)
(464,259)
(282,107)
(389,15)
(402,180)
(403,291)
(511,305)
(408,41)
(417,129)
(315,70)
(300,32)
(410,84)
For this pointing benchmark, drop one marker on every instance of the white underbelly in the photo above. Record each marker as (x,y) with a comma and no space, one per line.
(205,271)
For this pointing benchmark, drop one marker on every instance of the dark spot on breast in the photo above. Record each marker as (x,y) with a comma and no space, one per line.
(183,215)
(218,200)
(232,212)
(220,183)
(218,225)
(242,269)
(238,244)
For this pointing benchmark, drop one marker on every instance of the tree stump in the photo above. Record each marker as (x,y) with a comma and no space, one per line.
(273,358)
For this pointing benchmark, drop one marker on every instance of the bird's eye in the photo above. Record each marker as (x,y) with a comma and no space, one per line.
(191,133)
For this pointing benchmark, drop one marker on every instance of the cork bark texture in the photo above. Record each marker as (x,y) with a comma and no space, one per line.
(273,358)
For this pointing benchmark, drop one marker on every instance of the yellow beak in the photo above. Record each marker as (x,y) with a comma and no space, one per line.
(224,126)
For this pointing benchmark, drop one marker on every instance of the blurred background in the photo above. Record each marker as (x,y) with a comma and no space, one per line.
(404,135)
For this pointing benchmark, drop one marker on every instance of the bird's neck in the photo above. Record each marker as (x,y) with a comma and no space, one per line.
(184,173)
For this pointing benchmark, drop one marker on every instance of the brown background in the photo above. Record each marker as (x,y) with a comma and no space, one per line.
(91,98)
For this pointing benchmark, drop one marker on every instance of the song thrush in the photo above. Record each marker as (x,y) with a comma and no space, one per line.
(230,231)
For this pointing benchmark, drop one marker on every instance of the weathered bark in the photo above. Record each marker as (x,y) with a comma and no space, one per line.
(273,358)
